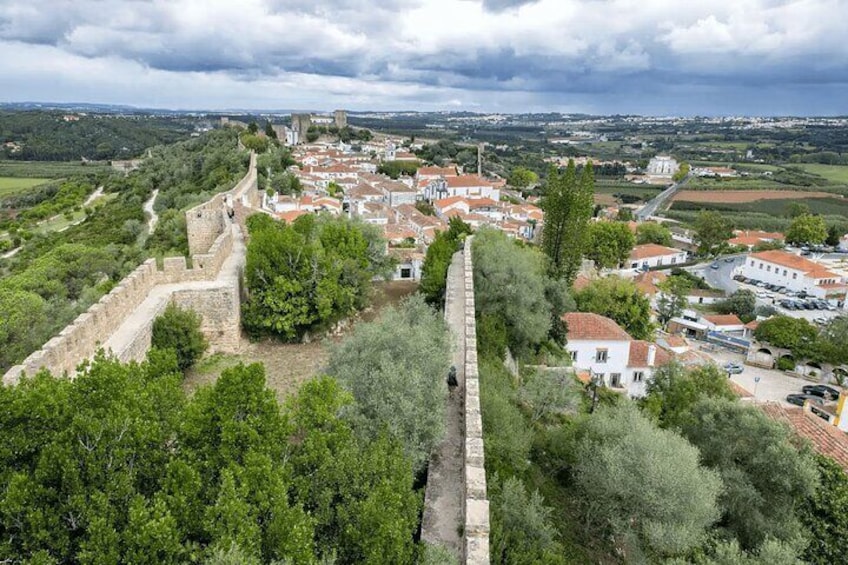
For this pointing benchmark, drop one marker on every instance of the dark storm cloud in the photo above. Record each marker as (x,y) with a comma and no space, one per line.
(461,51)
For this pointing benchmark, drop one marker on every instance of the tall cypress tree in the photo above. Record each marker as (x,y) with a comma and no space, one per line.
(568,206)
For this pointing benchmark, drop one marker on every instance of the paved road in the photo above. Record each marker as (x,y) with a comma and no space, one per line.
(148,208)
(659,200)
(772,386)
(722,277)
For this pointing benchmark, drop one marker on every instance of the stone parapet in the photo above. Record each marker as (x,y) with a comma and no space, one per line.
(476,503)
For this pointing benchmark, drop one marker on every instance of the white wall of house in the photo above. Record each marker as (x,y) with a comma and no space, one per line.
(584,354)
(793,279)
(659,261)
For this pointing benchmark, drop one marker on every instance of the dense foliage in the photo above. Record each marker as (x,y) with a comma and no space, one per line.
(179,330)
(439,255)
(567,201)
(610,244)
(46,136)
(119,466)
(309,274)
(620,300)
(395,368)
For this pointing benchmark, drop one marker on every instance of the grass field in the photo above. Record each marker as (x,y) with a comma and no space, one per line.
(11,185)
(722,196)
(47,169)
(833,173)
(773,207)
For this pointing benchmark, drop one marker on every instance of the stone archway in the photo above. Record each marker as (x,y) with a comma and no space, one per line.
(762,357)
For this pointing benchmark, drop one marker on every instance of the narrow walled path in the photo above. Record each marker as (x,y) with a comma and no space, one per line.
(444,495)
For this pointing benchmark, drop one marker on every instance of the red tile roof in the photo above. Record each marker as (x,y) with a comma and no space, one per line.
(792,261)
(467,181)
(651,250)
(724,320)
(590,326)
(437,172)
(639,354)
(826,438)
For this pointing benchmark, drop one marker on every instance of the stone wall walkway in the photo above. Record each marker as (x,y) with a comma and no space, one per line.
(443,513)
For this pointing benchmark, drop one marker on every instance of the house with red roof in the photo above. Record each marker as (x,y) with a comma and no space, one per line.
(599,345)
(650,255)
(796,273)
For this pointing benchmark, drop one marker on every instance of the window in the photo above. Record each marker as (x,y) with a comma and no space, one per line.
(784,272)
(761,266)
(573,355)
(768,268)
(794,275)
(615,380)
(673,260)
(601,356)
(406,273)
(752,263)
(638,376)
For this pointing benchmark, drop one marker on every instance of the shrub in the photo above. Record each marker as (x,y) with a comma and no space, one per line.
(786,364)
(179,330)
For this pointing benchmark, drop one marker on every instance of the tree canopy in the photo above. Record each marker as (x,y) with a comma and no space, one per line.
(439,255)
(807,229)
(620,300)
(653,232)
(567,201)
(712,231)
(610,244)
(308,274)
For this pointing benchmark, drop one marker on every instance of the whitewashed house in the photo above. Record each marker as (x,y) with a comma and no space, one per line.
(598,345)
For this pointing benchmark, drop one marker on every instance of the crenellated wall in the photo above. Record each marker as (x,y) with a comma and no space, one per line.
(122,320)
(476,501)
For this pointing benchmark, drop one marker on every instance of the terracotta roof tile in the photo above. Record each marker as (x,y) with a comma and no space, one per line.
(651,250)
(795,262)
(639,354)
(724,320)
(590,326)
(826,438)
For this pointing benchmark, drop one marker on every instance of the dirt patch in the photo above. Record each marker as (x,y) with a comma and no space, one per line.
(605,199)
(739,196)
(287,365)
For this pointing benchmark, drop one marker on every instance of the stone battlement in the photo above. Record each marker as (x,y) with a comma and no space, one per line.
(475,509)
(208,284)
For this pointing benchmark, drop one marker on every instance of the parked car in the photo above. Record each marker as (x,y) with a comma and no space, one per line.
(809,305)
(728,260)
(823,305)
(739,278)
(799,399)
(823,391)
(715,266)
(787,304)
(732,368)
(760,284)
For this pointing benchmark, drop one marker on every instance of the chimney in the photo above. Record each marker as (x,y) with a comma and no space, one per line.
(652,354)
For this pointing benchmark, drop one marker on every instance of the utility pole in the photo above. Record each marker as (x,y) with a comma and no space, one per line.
(479,159)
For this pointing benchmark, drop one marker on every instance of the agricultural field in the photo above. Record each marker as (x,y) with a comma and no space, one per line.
(48,169)
(834,173)
(13,185)
(736,196)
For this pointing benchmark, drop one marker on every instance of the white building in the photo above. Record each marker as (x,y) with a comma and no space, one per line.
(651,255)
(663,166)
(796,273)
(598,345)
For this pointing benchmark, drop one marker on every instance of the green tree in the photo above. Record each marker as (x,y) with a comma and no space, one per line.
(255,142)
(765,476)
(795,334)
(834,236)
(673,390)
(807,229)
(522,177)
(825,515)
(682,172)
(396,368)
(252,128)
(653,232)
(439,255)
(795,209)
(179,330)
(269,131)
(620,300)
(567,202)
(712,231)
(743,302)
(309,274)
(672,298)
(521,526)
(548,394)
(510,284)
(610,244)
(674,504)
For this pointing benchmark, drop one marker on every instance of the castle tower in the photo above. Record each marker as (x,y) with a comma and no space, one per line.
(340,118)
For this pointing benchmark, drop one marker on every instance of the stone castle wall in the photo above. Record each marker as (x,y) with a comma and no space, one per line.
(475,501)
(212,237)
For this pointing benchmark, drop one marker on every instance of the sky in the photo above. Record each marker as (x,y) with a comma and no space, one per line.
(650,57)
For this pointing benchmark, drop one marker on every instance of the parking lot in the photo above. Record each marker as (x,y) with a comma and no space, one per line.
(818,313)
(773,385)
